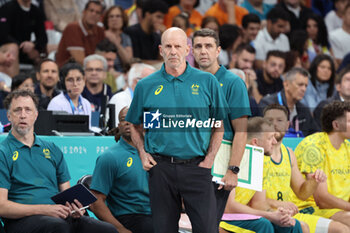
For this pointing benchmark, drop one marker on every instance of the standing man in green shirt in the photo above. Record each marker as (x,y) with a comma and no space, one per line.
(33,170)
(181,109)
(206,50)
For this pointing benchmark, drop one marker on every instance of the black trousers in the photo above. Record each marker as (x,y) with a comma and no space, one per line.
(221,199)
(169,183)
(137,223)
(48,224)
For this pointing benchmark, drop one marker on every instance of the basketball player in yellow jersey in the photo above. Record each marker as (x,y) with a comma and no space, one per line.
(260,133)
(285,185)
(329,151)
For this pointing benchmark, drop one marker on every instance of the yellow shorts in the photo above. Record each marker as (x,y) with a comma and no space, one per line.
(314,210)
(311,220)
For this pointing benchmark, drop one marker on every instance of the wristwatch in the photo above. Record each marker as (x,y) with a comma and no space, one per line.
(234,169)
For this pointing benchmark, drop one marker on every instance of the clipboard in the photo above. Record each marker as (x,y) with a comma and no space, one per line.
(79,192)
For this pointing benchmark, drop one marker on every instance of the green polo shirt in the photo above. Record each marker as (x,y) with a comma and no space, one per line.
(119,175)
(31,175)
(237,98)
(184,102)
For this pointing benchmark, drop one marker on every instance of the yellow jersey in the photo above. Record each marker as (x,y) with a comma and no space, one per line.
(277,176)
(317,152)
(243,195)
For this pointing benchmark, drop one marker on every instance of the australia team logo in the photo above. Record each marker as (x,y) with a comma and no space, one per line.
(151,120)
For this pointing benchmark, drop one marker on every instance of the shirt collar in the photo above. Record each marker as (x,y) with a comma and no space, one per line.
(127,146)
(221,71)
(182,77)
(19,144)
(83,28)
(267,35)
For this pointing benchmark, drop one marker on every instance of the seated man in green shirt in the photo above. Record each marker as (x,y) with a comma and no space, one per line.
(121,185)
(31,172)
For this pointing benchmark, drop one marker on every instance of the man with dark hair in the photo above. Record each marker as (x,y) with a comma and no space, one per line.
(269,79)
(342,85)
(329,151)
(48,77)
(79,39)
(251,25)
(294,87)
(33,173)
(272,37)
(230,37)
(121,185)
(206,50)
(145,35)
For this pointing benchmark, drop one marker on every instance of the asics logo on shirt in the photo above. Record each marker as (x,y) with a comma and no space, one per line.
(15,156)
(159,90)
(129,163)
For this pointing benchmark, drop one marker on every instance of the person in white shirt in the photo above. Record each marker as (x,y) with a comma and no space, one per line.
(339,38)
(124,98)
(272,37)
(334,19)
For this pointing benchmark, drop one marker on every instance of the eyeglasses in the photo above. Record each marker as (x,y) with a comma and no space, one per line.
(98,70)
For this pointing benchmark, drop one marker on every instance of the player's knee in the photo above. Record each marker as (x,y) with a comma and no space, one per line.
(337,227)
(56,225)
(304,227)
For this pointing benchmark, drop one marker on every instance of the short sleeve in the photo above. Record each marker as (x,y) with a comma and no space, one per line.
(126,40)
(73,38)
(62,168)
(135,113)
(336,46)
(103,175)
(238,100)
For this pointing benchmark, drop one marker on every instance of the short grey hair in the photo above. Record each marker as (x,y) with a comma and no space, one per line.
(290,75)
(95,57)
(136,71)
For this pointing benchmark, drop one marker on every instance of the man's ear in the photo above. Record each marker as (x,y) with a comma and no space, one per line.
(254,141)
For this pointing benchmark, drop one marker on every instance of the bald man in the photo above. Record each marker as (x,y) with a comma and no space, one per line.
(181,109)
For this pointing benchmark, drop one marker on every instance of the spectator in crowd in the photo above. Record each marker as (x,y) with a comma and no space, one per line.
(96,91)
(109,51)
(285,185)
(271,37)
(227,12)
(123,99)
(179,159)
(330,153)
(211,22)
(48,77)
(22,19)
(230,37)
(342,85)
(298,43)
(23,81)
(321,7)
(61,13)
(318,36)
(79,39)
(8,56)
(116,21)
(195,18)
(121,185)
(295,11)
(321,85)
(294,87)
(206,50)
(251,25)
(292,60)
(28,182)
(334,19)
(145,35)
(339,38)
(269,79)
(71,100)
(257,7)
(247,201)
(243,60)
